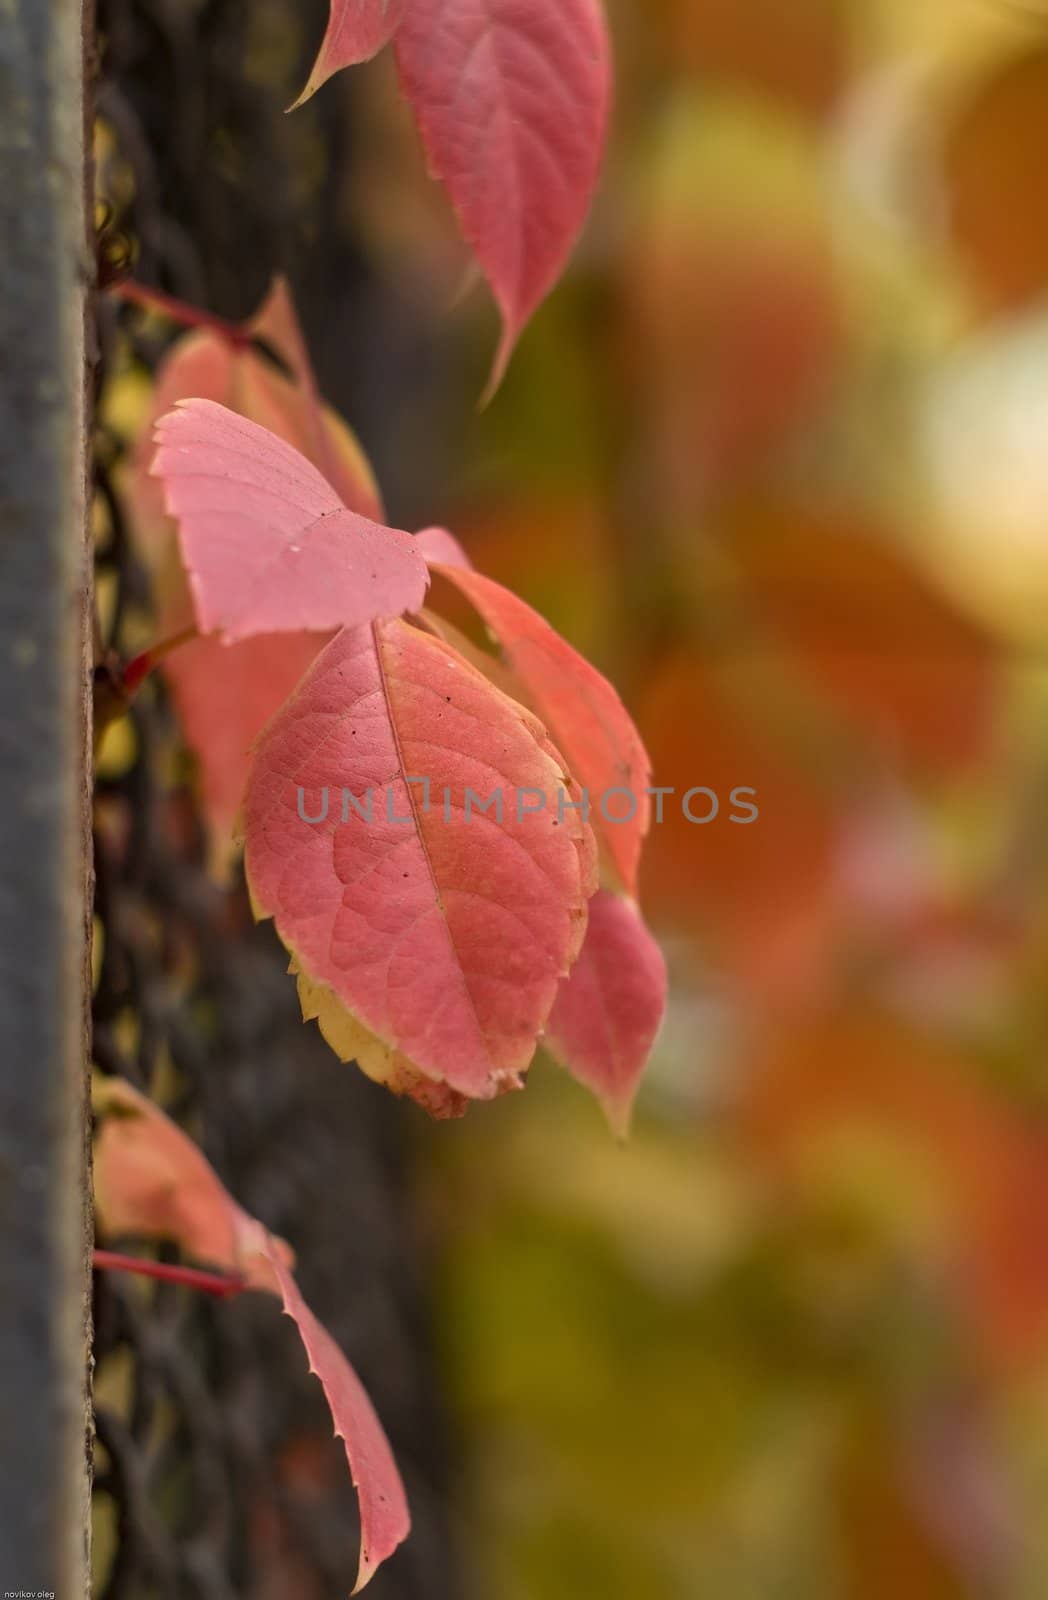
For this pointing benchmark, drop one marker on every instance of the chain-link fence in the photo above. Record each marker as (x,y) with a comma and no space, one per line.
(215,1472)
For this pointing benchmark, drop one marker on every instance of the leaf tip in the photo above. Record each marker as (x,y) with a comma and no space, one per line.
(618,1110)
(307,94)
(507,344)
(365,1573)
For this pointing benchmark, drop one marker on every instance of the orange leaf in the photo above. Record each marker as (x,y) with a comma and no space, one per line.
(990,1165)
(869,633)
(761,889)
(795,53)
(152,1181)
(997,183)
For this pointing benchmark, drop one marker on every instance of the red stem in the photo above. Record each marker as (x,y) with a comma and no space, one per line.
(137,294)
(137,670)
(214,1283)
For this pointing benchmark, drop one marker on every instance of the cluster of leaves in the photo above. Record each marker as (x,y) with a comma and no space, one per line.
(436,946)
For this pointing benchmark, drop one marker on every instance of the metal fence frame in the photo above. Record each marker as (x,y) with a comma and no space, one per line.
(44,777)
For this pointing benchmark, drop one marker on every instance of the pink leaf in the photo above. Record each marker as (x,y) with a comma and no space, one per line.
(610,1007)
(356,31)
(443,932)
(441,548)
(268,544)
(225,694)
(511,98)
(152,1181)
(206,366)
(384,1518)
(585,717)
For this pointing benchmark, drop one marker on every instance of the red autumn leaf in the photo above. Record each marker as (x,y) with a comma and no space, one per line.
(224,695)
(511,98)
(356,31)
(610,1007)
(152,1181)
(443,932)
(351,1041)
(268,544)
(586,719)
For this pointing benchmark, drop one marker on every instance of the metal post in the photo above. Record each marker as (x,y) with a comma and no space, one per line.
(44,859)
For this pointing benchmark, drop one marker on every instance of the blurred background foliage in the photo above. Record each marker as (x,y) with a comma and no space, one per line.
(775,454)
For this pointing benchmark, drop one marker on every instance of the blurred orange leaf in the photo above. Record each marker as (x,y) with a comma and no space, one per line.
(997,183)
(989,1165)
(732,295)
(871,635)
(796,53)
(893,1540)
(760,889)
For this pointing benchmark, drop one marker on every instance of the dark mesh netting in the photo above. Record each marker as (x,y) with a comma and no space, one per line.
(216,1472)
